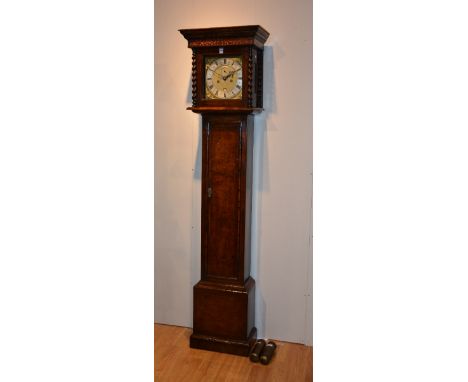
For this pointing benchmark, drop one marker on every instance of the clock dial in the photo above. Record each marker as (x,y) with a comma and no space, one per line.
(223,77)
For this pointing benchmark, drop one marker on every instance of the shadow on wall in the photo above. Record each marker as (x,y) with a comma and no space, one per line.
(188,99)
(261,181)
(269,94)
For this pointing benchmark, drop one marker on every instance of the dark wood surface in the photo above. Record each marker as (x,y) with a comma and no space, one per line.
(226,36)
(222,224)
(223,317)
(226,198)
(224,298)
(225,110)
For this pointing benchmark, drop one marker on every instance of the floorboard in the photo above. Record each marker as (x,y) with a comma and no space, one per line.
(175,361)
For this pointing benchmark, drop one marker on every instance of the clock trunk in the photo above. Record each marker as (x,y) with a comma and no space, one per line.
(224,298)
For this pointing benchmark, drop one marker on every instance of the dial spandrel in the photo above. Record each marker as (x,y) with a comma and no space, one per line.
(223,77)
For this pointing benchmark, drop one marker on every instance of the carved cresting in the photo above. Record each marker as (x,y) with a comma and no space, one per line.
(217,42)
(194,79)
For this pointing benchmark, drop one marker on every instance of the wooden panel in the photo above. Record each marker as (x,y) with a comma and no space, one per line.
(223,311)
(223,216)
(219,313)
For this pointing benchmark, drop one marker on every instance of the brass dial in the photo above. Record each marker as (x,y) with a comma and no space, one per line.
(223,77)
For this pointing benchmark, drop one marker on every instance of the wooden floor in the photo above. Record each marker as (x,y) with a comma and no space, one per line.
(175,361)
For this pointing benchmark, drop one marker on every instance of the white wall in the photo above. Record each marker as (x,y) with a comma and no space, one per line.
(281,248)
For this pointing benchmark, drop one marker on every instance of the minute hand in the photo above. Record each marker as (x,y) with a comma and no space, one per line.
(230,74)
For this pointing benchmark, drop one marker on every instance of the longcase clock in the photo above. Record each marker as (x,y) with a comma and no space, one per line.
(227,89)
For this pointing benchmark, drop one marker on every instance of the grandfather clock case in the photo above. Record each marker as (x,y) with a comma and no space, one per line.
(227,89)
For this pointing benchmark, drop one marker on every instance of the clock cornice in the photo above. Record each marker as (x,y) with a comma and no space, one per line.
(226,36)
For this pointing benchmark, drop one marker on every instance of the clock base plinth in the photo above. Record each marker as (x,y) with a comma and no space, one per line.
(223,317)
(222,345)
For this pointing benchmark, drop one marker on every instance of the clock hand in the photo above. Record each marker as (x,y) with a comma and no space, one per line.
(220,75)
(230,74)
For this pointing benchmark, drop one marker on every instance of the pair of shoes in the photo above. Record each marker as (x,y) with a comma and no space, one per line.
(262,351)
